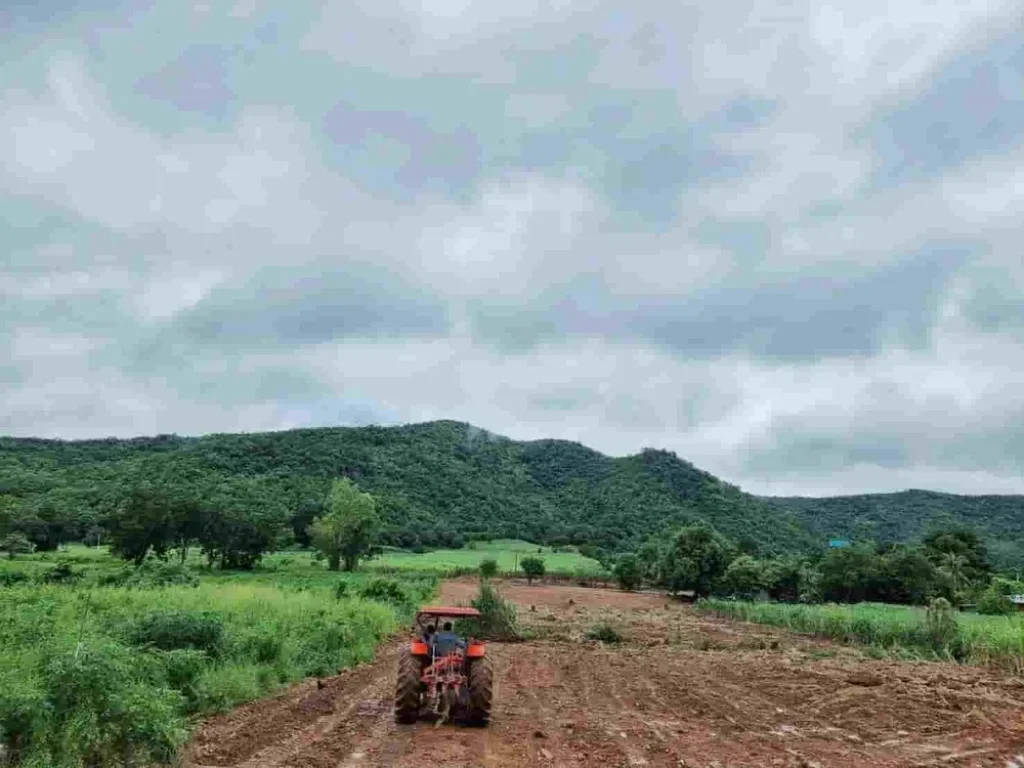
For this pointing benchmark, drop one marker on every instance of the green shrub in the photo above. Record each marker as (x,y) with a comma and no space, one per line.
(100,711)
(994,603)
(10,578)
(174,630)
(533,567)
(604,633)
(340,590)
(385,591)
(940,623)
(488,568)
(995,600)
(61,573)
(498,619)
(150,575)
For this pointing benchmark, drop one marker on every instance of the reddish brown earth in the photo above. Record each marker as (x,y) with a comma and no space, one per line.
(681,690)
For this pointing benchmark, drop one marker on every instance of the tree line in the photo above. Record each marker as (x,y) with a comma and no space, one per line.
(952,564)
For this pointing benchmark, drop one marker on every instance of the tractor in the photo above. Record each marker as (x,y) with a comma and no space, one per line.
(443,674)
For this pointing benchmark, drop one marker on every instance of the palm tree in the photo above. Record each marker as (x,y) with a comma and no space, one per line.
(954,566)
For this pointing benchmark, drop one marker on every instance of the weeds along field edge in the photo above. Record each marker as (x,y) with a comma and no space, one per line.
(971,638)
(111,675)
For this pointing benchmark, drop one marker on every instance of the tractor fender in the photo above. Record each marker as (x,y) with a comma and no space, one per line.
(476,651)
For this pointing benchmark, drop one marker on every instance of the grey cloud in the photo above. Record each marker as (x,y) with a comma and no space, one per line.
(312,303)
(891,427)
(398,150)
(973,107)
(195,81)
(818,314)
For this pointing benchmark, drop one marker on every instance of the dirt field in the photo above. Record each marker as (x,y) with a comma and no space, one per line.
(681,690)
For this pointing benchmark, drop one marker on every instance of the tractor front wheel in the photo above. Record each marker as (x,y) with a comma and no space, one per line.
(481,690)
(407,689)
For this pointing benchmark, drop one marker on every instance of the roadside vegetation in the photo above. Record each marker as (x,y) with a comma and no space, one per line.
(105,664)
(933,632)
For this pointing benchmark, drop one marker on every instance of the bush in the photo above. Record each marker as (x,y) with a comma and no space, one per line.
(62,573)
(176,630)
(10,578)
(995,600)
(385,591)
(488,568)
(498,619)
(940,623)
(150,575)
(533,567)
(628,572)
(99,712)
(604,633)
(341,590)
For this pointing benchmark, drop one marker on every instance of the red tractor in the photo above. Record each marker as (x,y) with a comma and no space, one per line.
(447,675)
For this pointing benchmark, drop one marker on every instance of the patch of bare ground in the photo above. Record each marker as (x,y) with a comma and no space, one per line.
(680,690)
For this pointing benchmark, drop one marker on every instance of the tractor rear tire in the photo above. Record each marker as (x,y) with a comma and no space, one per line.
(407,689)
(481,691)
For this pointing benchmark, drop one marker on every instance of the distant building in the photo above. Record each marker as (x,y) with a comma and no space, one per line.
(1018,600)
(838,543)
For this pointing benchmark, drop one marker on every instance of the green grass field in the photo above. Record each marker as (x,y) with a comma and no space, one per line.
(996,640)
(104,665)
(507,552)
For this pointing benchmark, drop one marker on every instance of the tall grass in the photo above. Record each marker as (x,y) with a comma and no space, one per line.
(995,640)
(97,674)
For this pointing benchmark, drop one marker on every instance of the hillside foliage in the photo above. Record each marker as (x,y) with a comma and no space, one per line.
(438,484)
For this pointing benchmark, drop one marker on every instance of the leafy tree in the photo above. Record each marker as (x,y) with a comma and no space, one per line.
(961,554)
(782,578)
(303,517)
(15,544)
(349,529)
(745,578)
(240,522)
(849,574)
(533,567)
(628,572)
(488,568)
(141,523)
(695,559)
(906,575)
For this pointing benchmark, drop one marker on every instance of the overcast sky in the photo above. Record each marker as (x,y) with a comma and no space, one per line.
(783,239)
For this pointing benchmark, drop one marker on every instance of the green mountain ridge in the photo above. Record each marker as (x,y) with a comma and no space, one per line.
(438,483)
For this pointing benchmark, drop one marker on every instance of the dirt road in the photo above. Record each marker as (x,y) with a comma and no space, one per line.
(682,690)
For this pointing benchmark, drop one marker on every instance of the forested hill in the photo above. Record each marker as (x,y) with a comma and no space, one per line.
(441,482)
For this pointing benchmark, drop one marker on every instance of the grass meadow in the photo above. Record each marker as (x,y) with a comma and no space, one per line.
(103,664)
(507,553)
(990,640)
(106,664)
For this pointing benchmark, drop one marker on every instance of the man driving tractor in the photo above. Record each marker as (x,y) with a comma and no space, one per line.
(443,673)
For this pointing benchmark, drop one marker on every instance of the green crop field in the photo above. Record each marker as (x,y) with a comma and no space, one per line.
(997,640)
(103,664)
(507,553)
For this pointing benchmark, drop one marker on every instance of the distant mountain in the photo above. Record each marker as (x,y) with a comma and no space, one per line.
(440,482)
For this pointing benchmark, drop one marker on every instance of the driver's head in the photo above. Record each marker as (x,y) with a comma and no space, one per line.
(431,629)
(447,626)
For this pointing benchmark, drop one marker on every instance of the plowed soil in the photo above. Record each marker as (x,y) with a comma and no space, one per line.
(679,690)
